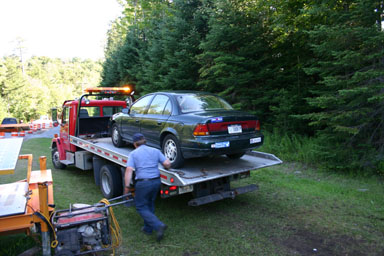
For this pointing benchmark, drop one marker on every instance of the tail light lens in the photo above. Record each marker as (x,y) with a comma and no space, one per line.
(257,126)
(205,129)
(201,130)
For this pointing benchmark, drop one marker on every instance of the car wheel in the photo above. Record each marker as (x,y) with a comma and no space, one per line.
(116,137)
(56,159)
(235,156)
(110,181)
(172,151)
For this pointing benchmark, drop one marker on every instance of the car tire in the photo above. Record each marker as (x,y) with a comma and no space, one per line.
(172,151)
(110,181)
(56,159)
(117,140)
(235,156)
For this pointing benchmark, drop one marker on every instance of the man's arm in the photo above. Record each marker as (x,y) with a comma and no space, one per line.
(127,179)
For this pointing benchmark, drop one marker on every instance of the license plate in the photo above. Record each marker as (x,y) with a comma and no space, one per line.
(255,140)
(234,129)
(185,189)
(224,144)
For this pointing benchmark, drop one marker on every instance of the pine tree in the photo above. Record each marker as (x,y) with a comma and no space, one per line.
(235,56)
(349,95)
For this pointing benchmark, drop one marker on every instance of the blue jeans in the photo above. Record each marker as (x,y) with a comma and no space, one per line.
(145,196)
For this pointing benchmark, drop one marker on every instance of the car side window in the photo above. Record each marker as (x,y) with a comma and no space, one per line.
(168,109)
(158,104)
(140,106)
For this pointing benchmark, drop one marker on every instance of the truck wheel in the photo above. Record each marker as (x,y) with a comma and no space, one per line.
(172,151)
(56,159)
(235,156)
(116,137)
(110,181)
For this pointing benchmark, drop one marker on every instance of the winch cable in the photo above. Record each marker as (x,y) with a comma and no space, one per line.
(114,226)
(39,214)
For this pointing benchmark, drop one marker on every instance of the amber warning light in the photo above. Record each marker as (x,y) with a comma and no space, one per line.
(110,90)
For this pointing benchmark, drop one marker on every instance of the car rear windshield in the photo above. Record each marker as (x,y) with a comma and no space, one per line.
(201,102)
(9,121)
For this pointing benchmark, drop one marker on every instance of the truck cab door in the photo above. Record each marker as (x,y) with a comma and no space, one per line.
(64,128)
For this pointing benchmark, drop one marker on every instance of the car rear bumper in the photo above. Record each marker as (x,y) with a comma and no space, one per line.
(219,145)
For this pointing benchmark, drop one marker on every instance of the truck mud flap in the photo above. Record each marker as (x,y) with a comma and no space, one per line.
(222,195)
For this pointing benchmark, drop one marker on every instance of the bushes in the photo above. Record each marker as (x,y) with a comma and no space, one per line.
(322,152)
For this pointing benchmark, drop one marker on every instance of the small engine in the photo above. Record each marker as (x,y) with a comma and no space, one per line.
(82,230)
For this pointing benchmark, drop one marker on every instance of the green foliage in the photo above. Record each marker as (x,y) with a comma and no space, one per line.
(45,83)
(235,55)
(312,68)
(292,147)
(348,99)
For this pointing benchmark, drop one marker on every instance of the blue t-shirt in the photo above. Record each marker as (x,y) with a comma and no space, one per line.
(145,161)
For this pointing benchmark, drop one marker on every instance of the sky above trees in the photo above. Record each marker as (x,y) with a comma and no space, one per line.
(56,28)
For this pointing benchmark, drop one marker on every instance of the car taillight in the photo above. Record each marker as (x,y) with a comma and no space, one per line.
(257,126)
(201,130)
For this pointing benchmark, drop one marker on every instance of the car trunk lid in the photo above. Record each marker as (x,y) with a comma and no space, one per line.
(227,122)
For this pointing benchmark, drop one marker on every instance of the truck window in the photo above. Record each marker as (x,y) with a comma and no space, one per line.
(109,111)
(92,111)
(65,115)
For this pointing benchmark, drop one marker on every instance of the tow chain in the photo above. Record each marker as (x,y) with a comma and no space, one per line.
(182,174)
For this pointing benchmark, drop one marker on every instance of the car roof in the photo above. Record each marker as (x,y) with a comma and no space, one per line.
(185,92)
(9,119)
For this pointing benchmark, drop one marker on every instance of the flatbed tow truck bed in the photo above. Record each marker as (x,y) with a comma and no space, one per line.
(195,171)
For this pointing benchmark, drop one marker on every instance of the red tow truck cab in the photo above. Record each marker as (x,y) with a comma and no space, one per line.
(85,118)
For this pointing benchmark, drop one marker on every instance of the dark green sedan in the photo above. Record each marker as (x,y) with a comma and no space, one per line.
(188,124)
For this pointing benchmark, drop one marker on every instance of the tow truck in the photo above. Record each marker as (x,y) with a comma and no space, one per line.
(84,141)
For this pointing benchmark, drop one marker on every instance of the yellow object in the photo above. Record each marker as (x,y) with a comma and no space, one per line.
(110,90)
(40,197)
(114,226)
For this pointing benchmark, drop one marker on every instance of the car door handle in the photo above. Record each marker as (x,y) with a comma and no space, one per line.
(137,120)
(159,122)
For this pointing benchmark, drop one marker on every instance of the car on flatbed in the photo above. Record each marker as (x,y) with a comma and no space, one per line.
(188,124)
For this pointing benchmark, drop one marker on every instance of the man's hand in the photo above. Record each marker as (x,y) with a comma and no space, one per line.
(167,164)
(126,190)
(129,192)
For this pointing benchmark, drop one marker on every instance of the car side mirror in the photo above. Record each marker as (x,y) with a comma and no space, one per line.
(125,111)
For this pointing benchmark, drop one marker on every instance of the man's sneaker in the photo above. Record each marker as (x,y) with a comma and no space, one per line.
(145,232)
(160,232)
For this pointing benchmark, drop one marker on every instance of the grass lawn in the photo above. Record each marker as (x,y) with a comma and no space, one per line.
(297,211)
